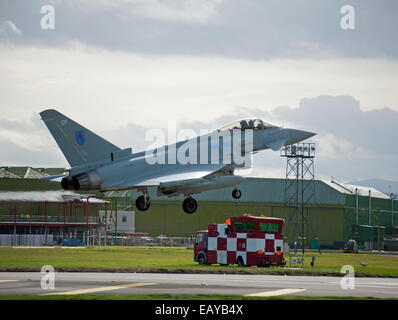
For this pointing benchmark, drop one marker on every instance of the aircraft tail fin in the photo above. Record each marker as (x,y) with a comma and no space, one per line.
(78,144)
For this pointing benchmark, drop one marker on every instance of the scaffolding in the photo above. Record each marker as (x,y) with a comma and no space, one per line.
(25,221)
(300,195)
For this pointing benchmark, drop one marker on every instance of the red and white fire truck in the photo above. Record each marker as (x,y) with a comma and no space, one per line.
(245,241)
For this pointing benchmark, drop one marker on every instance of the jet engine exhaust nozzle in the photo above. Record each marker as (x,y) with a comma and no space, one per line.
(87,181)
(66,184)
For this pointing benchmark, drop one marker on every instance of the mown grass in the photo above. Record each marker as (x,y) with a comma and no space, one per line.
(97,257)
(165,259)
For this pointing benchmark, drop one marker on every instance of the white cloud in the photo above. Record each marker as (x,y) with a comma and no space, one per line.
(120,95)
(187,11)
(332,147)
(123,88)
(8,27)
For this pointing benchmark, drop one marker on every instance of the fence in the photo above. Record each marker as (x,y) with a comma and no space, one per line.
(26,239)
(10,219)
(91,239)
(148,241)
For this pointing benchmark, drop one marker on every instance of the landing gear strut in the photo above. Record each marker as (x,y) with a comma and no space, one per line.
(236,193)
(143,202)
(189,205)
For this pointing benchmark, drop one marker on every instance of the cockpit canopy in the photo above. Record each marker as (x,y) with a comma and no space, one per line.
(255,124)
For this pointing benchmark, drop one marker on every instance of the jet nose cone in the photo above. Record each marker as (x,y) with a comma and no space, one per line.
(305,134)
(299,135)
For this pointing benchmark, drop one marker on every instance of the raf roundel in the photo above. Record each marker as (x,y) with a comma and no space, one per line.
(80,137)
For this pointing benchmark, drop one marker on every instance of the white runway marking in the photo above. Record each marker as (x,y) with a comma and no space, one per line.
(2,281)
(274,293)
(92,290)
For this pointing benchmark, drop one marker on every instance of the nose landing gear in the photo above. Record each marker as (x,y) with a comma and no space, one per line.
(143,202)
(236,193)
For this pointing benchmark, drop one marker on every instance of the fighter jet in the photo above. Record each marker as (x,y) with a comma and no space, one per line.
(203,163)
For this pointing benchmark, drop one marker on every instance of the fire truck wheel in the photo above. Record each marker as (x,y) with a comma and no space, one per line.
(236,193)
(141,204)
(201,259)
(240,262)
(189,205)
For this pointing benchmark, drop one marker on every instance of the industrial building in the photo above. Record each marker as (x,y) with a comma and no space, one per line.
(340,211)
(28,172)
(44,217)
(34,212)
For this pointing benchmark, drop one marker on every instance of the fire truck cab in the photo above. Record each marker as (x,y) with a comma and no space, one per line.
(244,240)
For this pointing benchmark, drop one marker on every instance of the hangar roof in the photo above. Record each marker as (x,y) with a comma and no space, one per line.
(347,188)
(28,172)
(331,191)
(49,196)
(6,174)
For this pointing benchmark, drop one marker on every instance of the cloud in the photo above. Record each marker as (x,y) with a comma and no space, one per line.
(122,67)
(351,143)
(254,30)
(332,147)
(187,12)
(22,155)
(346,147)
(27,142)
(373,130)
(122,88)
(8,28)
(119,95)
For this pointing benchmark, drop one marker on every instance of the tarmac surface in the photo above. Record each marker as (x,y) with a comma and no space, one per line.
(12,283)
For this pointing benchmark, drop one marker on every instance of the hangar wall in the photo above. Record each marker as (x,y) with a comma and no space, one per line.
(363,216)
(167,218)
(336,208)
(335,213)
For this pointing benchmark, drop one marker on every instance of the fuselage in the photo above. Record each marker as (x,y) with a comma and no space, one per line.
(228,148)
(193,165)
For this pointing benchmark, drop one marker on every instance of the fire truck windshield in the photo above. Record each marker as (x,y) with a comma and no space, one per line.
(250,226)
(199,238)
(267,226)
(243,226)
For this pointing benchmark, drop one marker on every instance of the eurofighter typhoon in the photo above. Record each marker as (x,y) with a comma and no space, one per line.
(203,163)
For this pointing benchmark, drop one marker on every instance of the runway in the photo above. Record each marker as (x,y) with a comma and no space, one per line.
(15,283)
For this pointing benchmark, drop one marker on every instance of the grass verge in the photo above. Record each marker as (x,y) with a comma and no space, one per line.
(180,260)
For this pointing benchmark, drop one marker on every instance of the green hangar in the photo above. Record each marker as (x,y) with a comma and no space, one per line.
(341,211)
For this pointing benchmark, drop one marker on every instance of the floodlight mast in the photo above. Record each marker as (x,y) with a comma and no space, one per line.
(299,193)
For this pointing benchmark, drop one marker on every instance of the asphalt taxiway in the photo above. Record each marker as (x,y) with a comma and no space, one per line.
(15,283)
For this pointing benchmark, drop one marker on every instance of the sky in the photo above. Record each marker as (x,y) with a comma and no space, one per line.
(122,67)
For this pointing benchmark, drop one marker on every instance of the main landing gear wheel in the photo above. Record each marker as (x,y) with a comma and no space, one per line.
(142,203)
(236,193)
(189,205)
